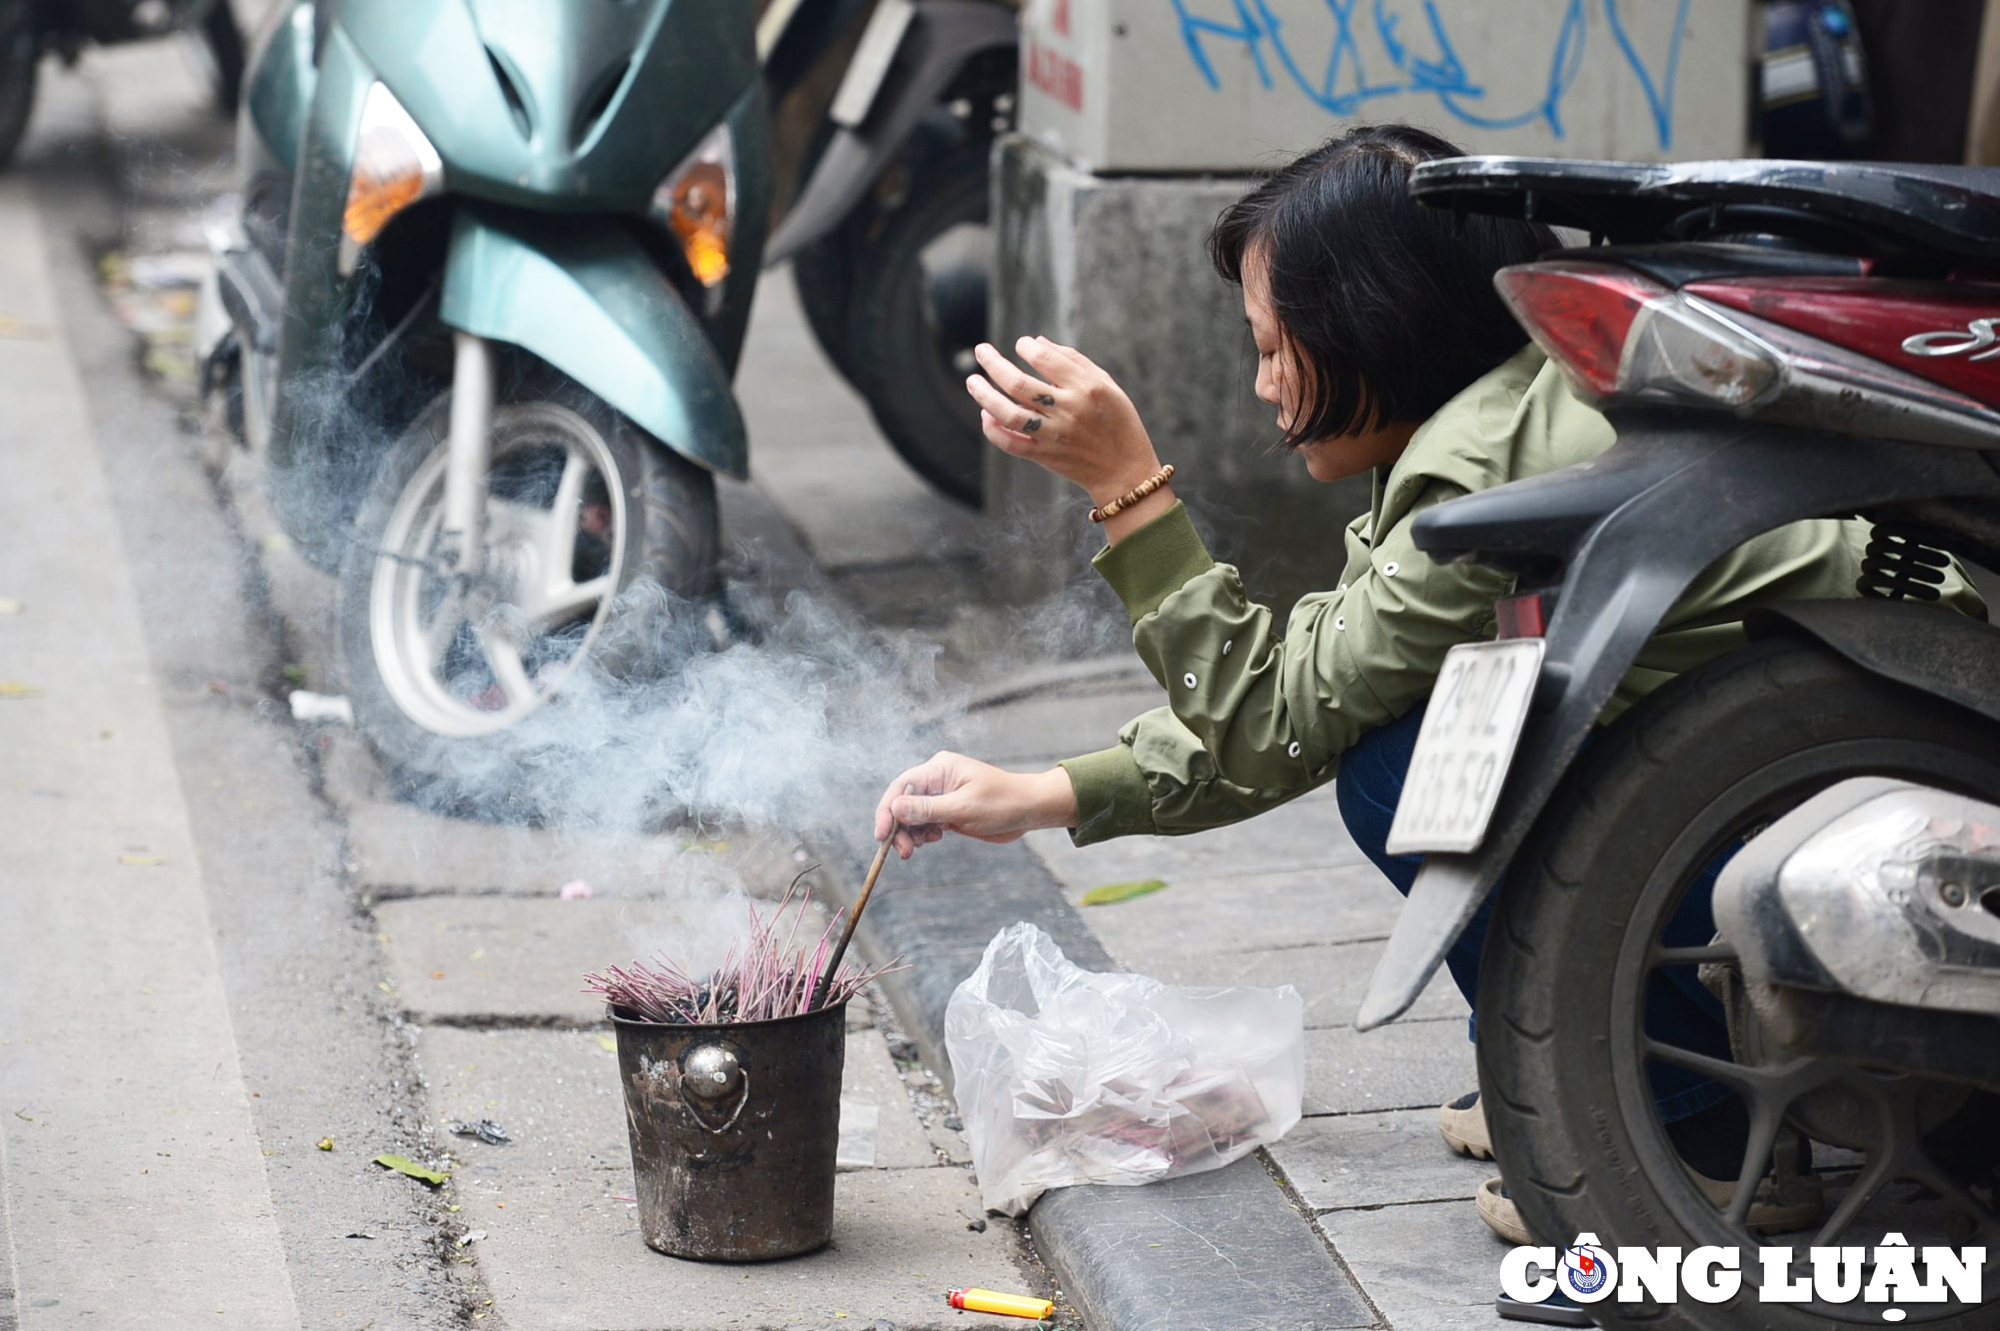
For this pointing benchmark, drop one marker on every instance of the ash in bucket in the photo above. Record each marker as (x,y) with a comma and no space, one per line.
(732,1089)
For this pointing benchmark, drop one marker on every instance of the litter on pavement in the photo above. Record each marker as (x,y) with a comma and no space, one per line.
(484,1129)
(402,1164)
(308,706)
(1115,892)
(993,1301)
(1067,1076)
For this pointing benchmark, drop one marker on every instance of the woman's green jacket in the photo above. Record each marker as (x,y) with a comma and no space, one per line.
(1255,720)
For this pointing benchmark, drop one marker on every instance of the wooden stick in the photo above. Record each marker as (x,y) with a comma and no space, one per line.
(854,915)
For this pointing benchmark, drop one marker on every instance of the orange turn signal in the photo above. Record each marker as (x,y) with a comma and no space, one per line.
(394,166)
(698,202)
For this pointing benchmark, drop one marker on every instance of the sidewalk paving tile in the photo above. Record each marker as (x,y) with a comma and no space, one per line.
(1041,731)
(1423,1265)
(1304,834)
(1352,1160)
(1197,916)
(1405,1065)
(399,847)
(1331,978)
(1475,1317)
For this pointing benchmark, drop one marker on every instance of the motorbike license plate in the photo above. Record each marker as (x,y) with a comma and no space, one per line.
(1465,745)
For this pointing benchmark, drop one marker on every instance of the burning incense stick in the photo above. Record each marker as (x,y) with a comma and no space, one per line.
(770,977)
(861,902)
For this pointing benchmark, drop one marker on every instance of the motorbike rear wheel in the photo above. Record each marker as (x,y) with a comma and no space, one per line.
(823,275)
(443,671)
(20,53)
(919,306)
(1564,1050)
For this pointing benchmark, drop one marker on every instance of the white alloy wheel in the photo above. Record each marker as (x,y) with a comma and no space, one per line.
(463,657)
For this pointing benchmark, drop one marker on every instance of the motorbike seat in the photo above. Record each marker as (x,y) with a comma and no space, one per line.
(1950,212)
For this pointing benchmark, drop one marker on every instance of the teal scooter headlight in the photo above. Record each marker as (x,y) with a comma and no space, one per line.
(394,166)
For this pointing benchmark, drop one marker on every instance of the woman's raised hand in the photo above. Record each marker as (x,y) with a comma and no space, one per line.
(1074,420)
(954,793)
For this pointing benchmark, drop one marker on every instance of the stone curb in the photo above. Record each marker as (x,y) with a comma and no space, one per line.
(1226,1250)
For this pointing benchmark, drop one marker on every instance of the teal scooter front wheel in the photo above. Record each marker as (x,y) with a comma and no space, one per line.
(598,562)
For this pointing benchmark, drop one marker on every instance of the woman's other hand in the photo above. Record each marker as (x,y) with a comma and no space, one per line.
(954,793)
(1075,420)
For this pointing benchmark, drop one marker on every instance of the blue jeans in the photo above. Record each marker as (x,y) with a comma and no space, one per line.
(1679,1010)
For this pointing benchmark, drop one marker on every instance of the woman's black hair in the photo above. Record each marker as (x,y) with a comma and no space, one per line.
(1388,306)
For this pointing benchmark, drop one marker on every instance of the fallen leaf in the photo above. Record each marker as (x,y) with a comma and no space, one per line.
(402,1164)
(324,1143)
(129,858)
(9,606)
(13,688)
(575,891)
(1115,892)
(607,1044)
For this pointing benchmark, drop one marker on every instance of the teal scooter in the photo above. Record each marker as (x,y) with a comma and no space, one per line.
(479,314)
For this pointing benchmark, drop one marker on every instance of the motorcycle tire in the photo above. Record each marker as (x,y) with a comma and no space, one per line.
(1652,801)
(445,753)
(224,38)
(823,275)
(912,329)
(20,54)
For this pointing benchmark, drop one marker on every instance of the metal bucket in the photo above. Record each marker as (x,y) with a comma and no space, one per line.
(733,1129)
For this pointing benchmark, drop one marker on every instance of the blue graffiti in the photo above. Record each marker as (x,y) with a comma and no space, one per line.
(1344,85)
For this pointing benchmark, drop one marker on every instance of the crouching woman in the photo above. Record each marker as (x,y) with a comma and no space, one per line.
(1384,349)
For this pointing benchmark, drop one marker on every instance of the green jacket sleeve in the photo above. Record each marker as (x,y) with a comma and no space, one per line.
(1255,719)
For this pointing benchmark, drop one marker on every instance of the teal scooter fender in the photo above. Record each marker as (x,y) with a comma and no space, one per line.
(582,295)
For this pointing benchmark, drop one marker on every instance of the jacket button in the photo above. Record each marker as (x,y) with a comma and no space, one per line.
(1389,569)
(1189,679)
(1293,751)
(1340,623)
(1343,586)
(1227,644)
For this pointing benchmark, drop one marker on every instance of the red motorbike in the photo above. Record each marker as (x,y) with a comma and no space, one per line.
(1774,341)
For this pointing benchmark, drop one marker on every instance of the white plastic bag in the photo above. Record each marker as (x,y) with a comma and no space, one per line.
(1069,1076)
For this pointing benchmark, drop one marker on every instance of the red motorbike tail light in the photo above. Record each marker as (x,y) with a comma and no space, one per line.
(1525,615)
(1580,314)
(1616,334)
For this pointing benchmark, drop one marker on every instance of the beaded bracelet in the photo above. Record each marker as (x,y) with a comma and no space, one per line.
(1159,478)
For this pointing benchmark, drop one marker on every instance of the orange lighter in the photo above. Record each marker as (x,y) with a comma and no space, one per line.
(992,1301)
